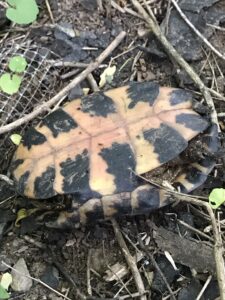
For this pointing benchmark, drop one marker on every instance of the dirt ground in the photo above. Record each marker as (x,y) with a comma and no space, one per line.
(88,262)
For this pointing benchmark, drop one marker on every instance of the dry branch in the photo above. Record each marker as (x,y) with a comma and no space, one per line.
(45,106)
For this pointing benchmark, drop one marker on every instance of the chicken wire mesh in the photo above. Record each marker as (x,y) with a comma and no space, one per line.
(39,84)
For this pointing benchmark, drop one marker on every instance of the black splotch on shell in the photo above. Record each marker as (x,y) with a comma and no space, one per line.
(179,96)
(142,92)
(98,105)
(167,142)
(43,185)
(121,163)
(22,182)
(32,138)
(192,121)
(75,174)
(59,121)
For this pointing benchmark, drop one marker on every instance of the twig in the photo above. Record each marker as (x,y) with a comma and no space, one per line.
(89,289)
(179,59)
(75,64)
(196,31)
(130,261)
(69,74)
(49,11)
(204,287)
(45,106)
(93,83)
(216,27)
(151,257)
(195,230)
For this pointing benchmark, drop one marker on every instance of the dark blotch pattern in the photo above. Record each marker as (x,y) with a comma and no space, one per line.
(121,163)
(76,176)
(180,96)
(194,122)
(167,142)
(148,200)
(195,176)
(98,105)
(142,92)
(21,184)
(33,137)
(59,121)
(15,163)
(43,185)
(122,206)
(96,214)
(210,139)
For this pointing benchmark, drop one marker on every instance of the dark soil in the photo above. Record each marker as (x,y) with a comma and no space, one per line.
(63,258)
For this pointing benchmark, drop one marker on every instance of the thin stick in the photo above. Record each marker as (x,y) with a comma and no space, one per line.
(93,83)
(152,259)
(204,287)
(130,261)
(89,289)
(172,52)
(196,31)
(45,106)
(195,230)
(49,11)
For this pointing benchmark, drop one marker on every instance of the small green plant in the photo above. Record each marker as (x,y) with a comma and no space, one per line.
(217,197)
(15,138)
(9,83)
(22,12)
(3,293)
(17,64)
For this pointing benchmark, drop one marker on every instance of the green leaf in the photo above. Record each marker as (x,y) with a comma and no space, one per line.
(17,64)
(6,280)
(10,85)
(3,293)
(22,11)
(217,197)
(15,138)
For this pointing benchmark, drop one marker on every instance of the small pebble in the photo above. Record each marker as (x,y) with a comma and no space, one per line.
(21,283)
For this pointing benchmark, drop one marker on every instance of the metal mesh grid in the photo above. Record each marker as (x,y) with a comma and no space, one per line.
(39,84)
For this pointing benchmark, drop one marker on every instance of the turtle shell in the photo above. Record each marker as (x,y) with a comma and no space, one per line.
(96,145)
